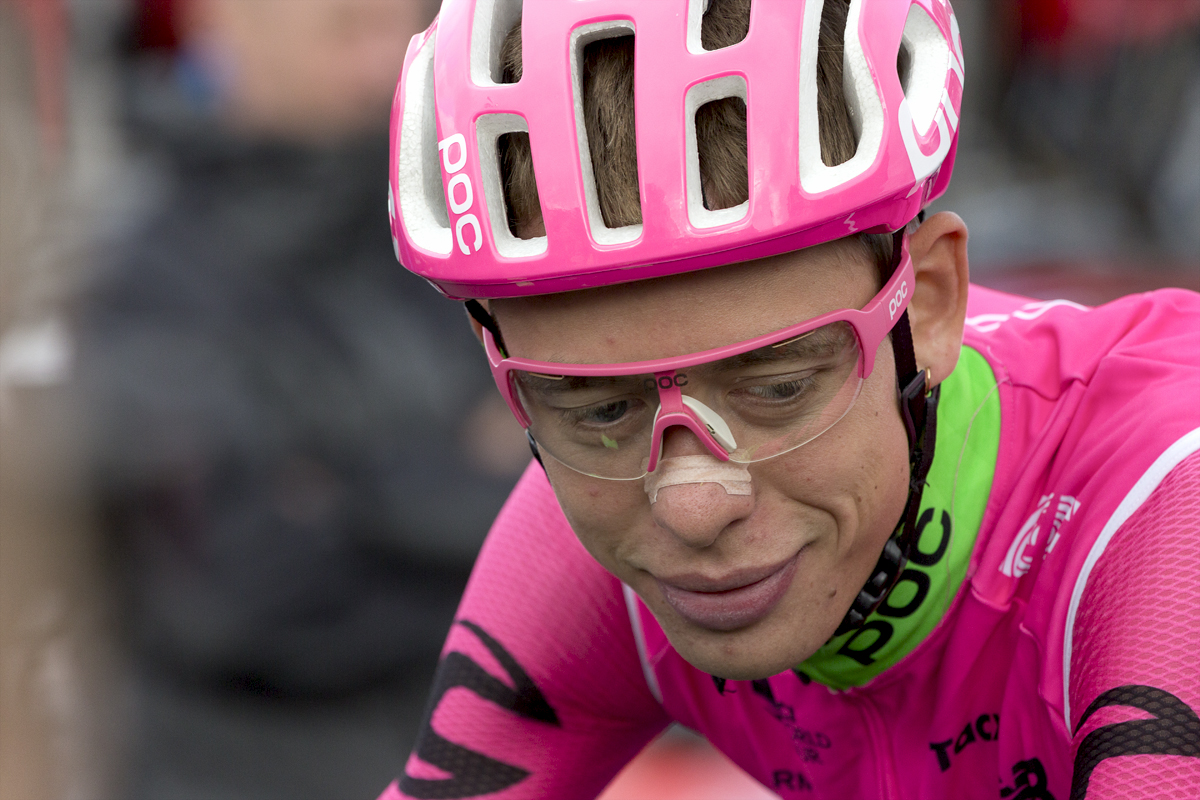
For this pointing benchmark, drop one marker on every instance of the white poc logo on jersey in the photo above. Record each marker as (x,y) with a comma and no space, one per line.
(460,194)
(1019,558)
(986,323)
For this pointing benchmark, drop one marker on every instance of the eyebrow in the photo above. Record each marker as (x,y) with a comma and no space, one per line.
(814,344)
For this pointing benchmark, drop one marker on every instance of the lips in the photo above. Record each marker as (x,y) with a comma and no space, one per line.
(732,602)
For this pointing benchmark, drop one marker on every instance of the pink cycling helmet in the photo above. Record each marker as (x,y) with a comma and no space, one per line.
(903,74)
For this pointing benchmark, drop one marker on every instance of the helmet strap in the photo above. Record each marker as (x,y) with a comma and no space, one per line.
(918,408)
(481,315)
(533,448)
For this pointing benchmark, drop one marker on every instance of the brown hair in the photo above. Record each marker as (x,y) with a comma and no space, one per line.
(720,125)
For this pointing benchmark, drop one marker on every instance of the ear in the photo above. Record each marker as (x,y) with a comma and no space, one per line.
(938,308)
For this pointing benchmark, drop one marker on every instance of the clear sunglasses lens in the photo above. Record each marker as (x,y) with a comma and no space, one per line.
(792,396)
(597,425)
(774,399)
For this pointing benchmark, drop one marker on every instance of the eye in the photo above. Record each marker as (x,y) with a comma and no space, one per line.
(782,390)
(607,413)
(601,414)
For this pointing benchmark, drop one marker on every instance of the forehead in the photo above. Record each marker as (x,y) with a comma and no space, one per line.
(687,313)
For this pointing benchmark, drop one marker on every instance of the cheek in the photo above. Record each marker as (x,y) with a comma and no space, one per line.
(605,515)
(878,469)
(857,472)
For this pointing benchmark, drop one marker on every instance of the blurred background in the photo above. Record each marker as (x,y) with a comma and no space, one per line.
(246,461)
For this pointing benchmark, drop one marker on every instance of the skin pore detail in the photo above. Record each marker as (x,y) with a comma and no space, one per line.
(743,585)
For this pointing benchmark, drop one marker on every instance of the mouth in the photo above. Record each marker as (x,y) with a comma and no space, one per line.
(731,602)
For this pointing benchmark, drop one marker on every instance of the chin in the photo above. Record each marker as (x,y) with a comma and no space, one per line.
(742,669)
(740,655)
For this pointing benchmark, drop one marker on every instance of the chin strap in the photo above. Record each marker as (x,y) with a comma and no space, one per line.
(918,407)
(481,315)
(533,448)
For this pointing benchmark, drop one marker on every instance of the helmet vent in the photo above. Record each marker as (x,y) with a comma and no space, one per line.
(514,155)
(607,151)
(839,136)
(823,171)
(928,57)
(418,174)
(904,66)
(492,22)
(501,136)
(716,112)
(717,24)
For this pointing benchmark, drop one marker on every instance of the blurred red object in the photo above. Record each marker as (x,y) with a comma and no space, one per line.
(157,26)
(46,24)
(1103,23)
(682,766)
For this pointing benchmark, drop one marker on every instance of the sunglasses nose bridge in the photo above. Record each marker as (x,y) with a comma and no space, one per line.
(675,409)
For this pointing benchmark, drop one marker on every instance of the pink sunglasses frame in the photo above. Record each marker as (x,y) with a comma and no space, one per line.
(871,324)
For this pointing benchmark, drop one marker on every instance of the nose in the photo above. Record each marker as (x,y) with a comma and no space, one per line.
(677,440)
(709,496)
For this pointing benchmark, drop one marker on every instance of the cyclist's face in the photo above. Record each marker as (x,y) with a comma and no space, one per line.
(744,585)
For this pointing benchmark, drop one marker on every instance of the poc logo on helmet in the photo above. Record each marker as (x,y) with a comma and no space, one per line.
(460,194)
(898,300)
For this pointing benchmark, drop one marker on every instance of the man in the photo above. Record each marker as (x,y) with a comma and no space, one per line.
(293,543)
(841,514)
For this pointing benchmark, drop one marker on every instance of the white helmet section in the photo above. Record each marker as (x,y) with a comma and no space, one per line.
(416,176)
(926,56)
(903,76)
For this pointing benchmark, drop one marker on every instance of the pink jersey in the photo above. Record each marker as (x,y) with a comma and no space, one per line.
(1047,644)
